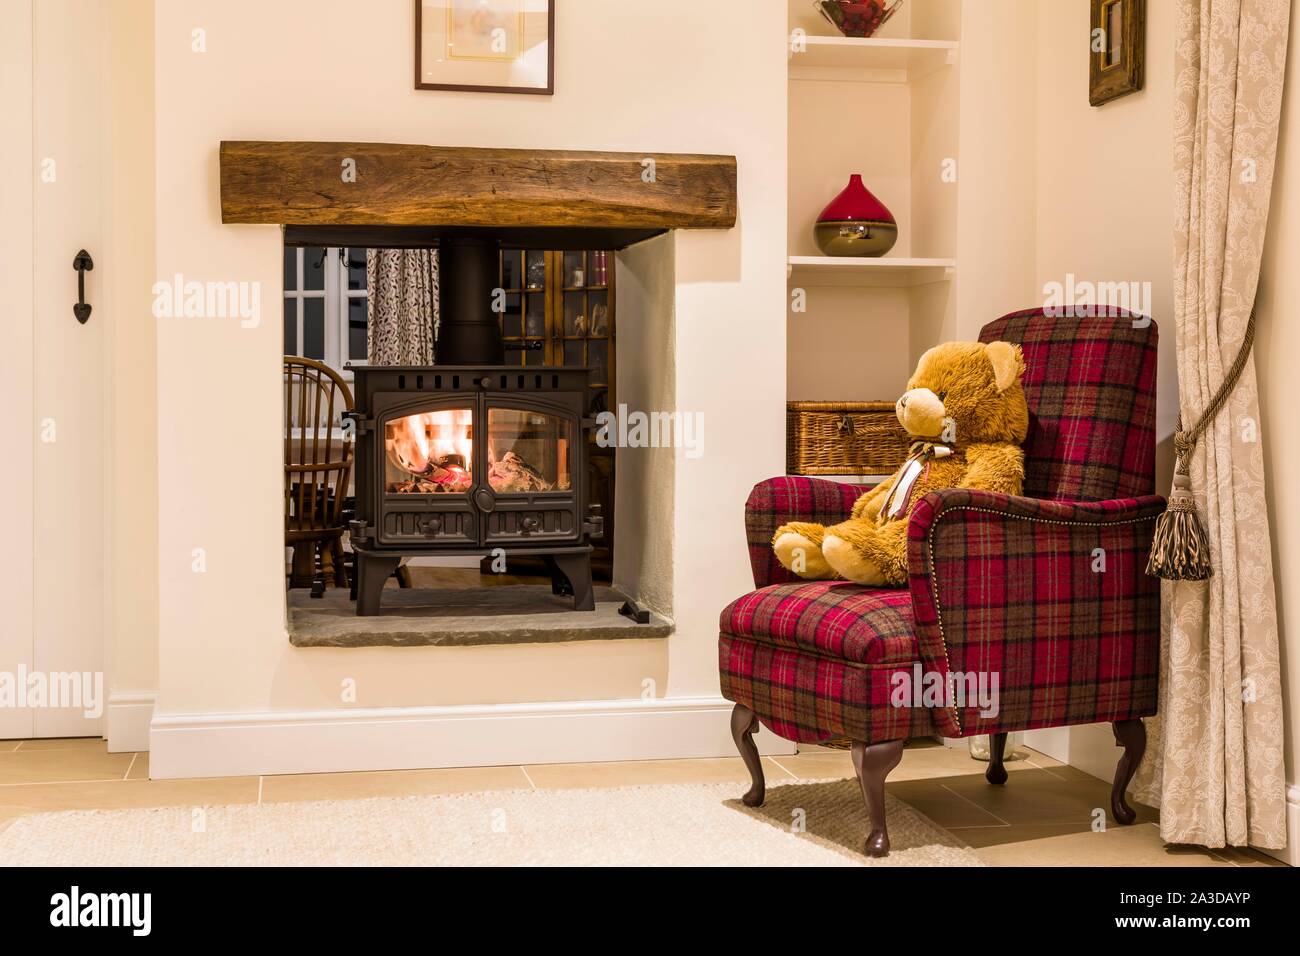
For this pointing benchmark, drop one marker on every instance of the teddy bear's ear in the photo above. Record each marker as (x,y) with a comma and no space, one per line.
(1008,362)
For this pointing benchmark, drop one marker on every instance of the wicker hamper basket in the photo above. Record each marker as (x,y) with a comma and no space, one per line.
(843,438)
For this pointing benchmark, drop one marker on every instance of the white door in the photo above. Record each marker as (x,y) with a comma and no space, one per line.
(52,141)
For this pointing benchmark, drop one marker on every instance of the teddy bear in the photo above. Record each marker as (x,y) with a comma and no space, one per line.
(965,408)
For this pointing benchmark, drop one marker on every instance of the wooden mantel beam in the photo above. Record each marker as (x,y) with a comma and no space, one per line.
(310,184)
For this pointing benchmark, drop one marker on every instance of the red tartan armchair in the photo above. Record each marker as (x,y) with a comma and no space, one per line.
(1047,592)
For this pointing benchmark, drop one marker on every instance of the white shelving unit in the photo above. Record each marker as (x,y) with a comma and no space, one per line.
(869,273)
(888,108)
(896,61)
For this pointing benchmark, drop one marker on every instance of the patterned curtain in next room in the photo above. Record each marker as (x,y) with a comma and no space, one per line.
(402,313)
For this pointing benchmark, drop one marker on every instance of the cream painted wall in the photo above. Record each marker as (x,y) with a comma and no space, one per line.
(673,77)
(997,170)
(1105,175)
(851,345)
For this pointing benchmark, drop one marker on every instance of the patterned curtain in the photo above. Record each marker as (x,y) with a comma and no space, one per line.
(1215,766)
(402,311)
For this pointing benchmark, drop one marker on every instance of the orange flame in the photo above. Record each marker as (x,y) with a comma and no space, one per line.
(416,441)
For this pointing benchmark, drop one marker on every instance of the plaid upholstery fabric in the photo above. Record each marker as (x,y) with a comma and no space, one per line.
(776,501)
(999,584)
(837,619)
(1090,382)
(809,698)
(1013,586)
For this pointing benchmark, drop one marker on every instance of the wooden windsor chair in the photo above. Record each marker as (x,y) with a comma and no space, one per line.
(318,456)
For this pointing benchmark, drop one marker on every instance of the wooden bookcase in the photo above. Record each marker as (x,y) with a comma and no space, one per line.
(559,311)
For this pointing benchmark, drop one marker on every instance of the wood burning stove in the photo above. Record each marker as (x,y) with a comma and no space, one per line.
(469,461)
(469,456)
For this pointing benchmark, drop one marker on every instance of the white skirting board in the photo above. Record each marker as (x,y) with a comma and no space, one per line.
(407,738)
(126,721)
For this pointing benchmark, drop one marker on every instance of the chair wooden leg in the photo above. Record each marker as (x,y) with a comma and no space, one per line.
(996,773)
(1132,736)
(743,727)
(339,562)
(303,570)
(873,763)
(318,580)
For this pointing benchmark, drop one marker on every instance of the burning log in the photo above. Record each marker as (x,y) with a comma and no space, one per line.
(512,474)
(447,474)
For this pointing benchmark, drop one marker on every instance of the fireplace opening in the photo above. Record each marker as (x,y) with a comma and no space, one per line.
(481,458)
(554,218)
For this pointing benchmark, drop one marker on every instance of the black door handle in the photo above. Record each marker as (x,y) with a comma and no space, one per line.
(82,263)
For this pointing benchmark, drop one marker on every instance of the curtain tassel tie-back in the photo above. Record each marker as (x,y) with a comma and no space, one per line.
(1180,549)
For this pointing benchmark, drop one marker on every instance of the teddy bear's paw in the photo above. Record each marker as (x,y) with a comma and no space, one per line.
(850,563)
(801,556)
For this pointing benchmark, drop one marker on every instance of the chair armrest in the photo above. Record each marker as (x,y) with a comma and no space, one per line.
(776,501)
(1049,598)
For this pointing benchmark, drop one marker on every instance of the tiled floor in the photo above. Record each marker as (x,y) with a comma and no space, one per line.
(1043,816)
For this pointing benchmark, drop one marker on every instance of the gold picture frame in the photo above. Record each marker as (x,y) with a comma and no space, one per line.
(485,46)
(1116,49)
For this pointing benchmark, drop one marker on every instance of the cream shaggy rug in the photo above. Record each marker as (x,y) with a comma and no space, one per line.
(801,824)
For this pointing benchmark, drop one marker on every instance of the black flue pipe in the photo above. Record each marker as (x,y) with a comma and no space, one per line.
(468,330)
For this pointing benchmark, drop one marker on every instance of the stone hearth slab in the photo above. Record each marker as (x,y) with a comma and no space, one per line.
(461,617)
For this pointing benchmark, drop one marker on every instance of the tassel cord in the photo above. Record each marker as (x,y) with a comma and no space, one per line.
(1180,548)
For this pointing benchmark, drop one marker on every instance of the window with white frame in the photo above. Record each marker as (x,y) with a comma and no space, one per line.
(325,304)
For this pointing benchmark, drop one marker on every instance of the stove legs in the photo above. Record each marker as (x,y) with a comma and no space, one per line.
(577,569)
(571,574)
(560,586)
(372,571)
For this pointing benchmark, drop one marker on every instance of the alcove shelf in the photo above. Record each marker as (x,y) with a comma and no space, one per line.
(887,108)
(868,273)
(885,60)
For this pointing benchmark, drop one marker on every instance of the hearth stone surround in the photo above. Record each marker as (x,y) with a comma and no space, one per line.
(449,616)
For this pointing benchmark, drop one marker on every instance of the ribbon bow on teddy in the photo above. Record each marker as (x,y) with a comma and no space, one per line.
(922,453)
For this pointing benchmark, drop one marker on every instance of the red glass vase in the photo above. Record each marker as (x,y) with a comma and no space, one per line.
(855,223)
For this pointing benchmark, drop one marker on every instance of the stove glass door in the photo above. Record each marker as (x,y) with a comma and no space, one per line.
(528,451)
(430,452)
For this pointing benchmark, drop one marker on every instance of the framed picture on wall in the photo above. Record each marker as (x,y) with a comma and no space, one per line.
(1116,49)
(485,46)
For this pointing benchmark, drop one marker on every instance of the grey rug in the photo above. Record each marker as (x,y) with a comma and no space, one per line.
(802,824)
